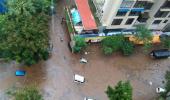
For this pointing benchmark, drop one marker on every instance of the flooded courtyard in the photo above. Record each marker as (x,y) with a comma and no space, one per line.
(54,77)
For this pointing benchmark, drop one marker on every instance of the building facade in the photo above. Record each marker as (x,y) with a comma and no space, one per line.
(126,14)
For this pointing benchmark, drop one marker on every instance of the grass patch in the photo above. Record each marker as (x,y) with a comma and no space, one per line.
(68,22)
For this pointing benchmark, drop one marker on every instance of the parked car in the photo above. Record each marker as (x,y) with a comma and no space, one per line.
(86,98)
(161,53)
(20,73)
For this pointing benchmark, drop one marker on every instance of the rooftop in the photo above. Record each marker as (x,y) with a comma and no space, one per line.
(88,20)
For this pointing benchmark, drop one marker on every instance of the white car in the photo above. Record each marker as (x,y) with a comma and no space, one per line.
(160,90)
(88,98)
(79,78)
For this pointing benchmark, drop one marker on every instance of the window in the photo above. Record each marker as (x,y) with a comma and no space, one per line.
(126,4)
(165,21)
(148,6)
(133,13)
(129,21)
(166,4)
(157,22)
(121,13)
(161,14)
(140,4)
(117,21)
(143,4)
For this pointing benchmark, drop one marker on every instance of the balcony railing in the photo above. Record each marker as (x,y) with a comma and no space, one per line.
(126,4)
(166,6)
(144,4)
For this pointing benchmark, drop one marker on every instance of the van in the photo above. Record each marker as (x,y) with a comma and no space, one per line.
(161,53)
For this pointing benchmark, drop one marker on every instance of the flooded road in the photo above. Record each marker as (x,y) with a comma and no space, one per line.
(54,77)
(144,73)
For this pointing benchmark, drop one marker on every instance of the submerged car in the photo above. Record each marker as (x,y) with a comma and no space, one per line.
(161,53)
(79,78)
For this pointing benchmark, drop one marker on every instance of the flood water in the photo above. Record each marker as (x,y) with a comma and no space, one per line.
(54,77)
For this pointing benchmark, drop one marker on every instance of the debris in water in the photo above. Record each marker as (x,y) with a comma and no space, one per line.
(83,60)
(150,83)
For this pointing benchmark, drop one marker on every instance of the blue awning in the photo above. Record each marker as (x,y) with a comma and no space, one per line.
(137,9)
(123,10)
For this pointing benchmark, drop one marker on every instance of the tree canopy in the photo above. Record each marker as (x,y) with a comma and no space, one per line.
(122,91)
(26,93)
(24,32)
(117,43)
(145,35)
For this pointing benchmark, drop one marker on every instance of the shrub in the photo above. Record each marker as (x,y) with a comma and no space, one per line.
(107,50)
(127,48)
(122,91)
(80,44)
(116,43)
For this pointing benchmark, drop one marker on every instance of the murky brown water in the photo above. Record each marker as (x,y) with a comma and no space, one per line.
(55,76)
(102,71)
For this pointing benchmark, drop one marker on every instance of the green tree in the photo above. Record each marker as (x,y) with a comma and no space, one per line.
(80,44)
(23,35)
(26,93)
(122,91)
(145,35)
(27,7)
(115,43)
(112,44)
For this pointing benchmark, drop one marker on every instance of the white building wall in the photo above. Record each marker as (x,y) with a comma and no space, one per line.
(110,9)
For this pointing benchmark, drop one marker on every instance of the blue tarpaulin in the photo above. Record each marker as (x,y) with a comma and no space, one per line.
(2,6)
(75,16)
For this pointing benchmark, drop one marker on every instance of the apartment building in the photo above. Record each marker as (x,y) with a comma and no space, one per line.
(126,14)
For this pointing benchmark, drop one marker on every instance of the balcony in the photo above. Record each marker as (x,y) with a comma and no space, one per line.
(166,6)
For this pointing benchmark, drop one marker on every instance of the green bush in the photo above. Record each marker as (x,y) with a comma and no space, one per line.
(122,91)
(115,43)
(127,48)
(80,44)
(107,50)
